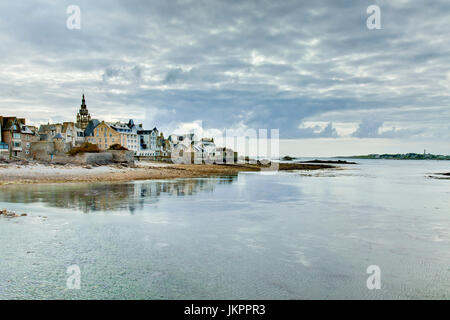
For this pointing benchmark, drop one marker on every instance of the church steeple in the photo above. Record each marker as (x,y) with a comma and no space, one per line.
(83,116)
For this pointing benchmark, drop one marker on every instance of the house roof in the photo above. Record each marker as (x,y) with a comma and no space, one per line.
(142,131)
(25,130)
(47,127)
(89,131)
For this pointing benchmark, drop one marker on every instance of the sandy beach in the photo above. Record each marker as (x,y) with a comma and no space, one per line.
(16,173)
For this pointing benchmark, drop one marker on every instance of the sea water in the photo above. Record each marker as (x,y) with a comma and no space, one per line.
(285,235)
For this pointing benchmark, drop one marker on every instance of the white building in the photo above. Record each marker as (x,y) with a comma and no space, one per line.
(128,135)
(148,145)
(72,134)
(187,148)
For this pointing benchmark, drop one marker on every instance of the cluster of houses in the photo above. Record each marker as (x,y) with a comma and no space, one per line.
(19,140)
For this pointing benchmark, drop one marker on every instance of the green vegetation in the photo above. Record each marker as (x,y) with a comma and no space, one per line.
(86,147)
(406,156)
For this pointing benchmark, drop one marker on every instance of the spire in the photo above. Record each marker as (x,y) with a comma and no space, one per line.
(83,102)
(83,116)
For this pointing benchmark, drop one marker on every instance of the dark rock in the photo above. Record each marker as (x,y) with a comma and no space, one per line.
(329,161)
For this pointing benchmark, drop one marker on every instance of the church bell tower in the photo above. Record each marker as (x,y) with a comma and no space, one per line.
(83,116)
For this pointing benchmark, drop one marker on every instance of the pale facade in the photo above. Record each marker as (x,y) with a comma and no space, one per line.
(148,142)
(104,136)
(128,135)
(72,133)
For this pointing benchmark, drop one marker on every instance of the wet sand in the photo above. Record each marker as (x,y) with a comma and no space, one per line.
(45,173)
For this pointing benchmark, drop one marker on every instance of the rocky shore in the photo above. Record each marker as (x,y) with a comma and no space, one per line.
(330,161)
(29,172)
(442,176)
(10,214)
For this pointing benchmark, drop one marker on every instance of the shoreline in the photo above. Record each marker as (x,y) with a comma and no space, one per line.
(39,173)
(440,176)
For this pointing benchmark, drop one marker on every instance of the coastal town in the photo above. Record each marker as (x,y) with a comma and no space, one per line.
(52,141)
(92,150)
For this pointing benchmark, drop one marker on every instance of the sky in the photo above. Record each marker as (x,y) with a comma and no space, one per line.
(311,69)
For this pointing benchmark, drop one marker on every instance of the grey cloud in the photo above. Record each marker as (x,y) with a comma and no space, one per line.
(316,132)
(131,74)
(371,129)
(368,129)
(267,64)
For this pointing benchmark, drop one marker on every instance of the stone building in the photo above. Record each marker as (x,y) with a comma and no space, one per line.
(69,131)
(104,136)
(48,131)
(17,136)
(4,147)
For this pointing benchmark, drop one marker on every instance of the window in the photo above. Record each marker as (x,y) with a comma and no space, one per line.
(16,135)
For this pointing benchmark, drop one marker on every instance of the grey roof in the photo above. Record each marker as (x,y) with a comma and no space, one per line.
(26,130)
(143,131)
(47,127)
(89,131)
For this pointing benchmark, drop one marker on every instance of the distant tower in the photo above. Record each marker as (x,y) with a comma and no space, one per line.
(83,116)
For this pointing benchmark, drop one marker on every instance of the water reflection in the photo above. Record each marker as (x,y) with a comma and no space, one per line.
(89,197)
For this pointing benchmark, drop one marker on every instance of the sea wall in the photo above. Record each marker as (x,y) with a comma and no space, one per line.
(84,158)
(121,156)
(51,152)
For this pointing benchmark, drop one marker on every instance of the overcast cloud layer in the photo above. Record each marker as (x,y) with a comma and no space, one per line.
(310,68)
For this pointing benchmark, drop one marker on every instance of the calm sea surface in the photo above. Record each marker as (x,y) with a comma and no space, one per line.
(289,235)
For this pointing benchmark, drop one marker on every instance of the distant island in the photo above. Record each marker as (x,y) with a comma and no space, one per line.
(406,156)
